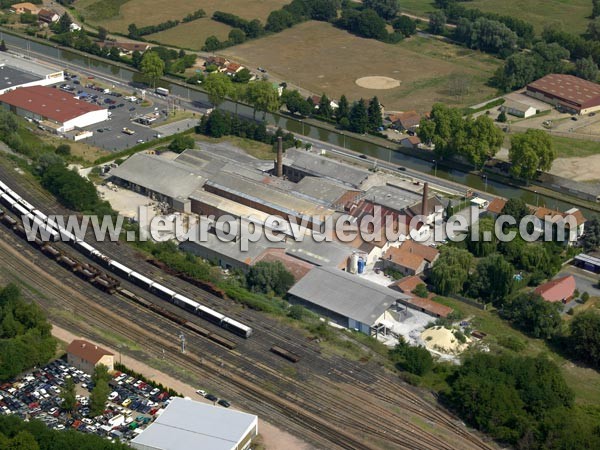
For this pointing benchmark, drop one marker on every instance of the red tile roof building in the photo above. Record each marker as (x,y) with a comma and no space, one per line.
(558,290)
(85,356)
(568,92)
(427,305)
(50,104)
(411,258)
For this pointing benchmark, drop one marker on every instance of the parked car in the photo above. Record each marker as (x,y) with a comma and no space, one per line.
(224,403)
(211,397)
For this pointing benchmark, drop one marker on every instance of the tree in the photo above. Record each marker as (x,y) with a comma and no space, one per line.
(502,117)
(595,8)
(388,9)
(366,23)
(325,107)
(102,33)
(64,24)
(451,271)
(405,25)
(324,10)
(359,119)
(152,66)
(101,389)
(217,86)
(493,279)
(181,143)
(296,104)
(593,29)
(375,116)
(63,150)
(517,208)
(279,20)
(263,96)
(296,312)
(586,68)
(237,36)
(243,76)
(533,314)
(529,152)
(479,140)
(132,31)
(585,337)
(437,22)
(343,110)
(24,440)
(3,46)
(415,360)
(477,244)
(136,59)
(421,290)
(591,237)
(114,54)
(67,393)
(211,44)
(267,277)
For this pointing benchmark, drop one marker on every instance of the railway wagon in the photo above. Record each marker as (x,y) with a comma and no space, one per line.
(50,251)
(285,354)
(105,285)
(222,341)
(8,221)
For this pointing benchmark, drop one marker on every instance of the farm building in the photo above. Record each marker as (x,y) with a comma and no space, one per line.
(85,356)
(24,8)
(566,92)
(55,110)
(518,109)
(346,299)
(411,258)
(189,425)
(408,120)
(18,72)
(558,290)
(48,16)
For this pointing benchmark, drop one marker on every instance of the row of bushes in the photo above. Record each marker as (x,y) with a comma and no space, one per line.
(198,14)
(136,33)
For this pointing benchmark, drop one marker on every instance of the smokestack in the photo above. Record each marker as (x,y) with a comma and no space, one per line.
(279,168)
(424,209)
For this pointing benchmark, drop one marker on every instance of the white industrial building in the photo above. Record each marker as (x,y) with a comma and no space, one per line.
(55,110)
(189,425)
(18,71)
(518,109)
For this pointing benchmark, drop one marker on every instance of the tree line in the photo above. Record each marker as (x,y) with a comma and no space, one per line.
(135,32)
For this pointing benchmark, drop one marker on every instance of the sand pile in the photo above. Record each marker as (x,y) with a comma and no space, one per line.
(377,82)
(443,340)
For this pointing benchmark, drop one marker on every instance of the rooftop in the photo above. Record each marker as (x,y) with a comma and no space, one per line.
(87,351)
(48,102)
(320,189)
(189,425)
(568,87)
(407,284)
(322,166)
(296,267)
(517,106)
(157,174)
(392,197)
(496,205)
(430,306)
(25,64)
(327,253)
(345,294)
(558,289)
(12,77)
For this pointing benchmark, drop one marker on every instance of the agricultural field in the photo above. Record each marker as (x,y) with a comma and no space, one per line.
(191,35)
(116,15)
(572,15)
(322,58)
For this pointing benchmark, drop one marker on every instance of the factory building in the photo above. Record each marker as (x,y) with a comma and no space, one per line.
(348,300)
(566,92)
(189,425)
(55,110)
(16,72)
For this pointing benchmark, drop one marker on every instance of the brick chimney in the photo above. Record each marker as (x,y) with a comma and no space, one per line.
(279,166)
(424,202)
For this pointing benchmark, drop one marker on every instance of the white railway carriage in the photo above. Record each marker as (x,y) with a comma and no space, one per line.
(40,215)
(236,327)
(8,200)
(3,187)
(25,203)
(141,279)
(87,248)
(20,210)
(120,268)
(209,314)
(185,303)
(164,291)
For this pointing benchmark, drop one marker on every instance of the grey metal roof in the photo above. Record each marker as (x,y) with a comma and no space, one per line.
(330,254)
(325,167)
(345,294)
(26,65)
(392,197)
(157,174)
(190,425)
(321,189)
(12,77)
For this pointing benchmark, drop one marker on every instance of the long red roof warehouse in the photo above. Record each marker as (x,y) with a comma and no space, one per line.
(569,89)
(48,102)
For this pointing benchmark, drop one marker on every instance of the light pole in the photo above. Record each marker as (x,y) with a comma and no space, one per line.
(344,140)
(536,198)
(434,168)
(485,181)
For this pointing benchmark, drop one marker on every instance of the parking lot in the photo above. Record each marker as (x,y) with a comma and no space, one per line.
(131,406)
(125,110)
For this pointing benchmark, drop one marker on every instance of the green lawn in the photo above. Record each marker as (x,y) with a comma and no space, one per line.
(569,148)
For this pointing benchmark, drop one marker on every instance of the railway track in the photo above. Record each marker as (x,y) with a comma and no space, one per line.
(322,399)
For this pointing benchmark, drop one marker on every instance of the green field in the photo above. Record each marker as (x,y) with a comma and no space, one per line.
(569,148)
(572,15)
(191,35)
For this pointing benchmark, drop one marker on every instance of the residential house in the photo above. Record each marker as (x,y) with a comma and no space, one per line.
(408,120)
(316,99)
(48,16)
(85,356)
(232,68)
(518,109)
(23,8)
(125,48)
(410,142)
(496,206)
(218,61)
(558,290)
(411,258)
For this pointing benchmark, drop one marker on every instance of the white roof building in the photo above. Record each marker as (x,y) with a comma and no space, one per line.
(189,425)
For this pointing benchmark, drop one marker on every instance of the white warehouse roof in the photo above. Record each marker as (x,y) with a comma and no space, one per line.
(189,425)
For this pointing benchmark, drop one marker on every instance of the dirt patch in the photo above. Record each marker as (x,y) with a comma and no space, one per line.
(578,169)
(377,82)
(442,340)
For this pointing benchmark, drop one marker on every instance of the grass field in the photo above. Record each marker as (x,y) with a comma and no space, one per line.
(116,15)
(192,34)
(569,148)
(257,149)
(573,15)
(322,58)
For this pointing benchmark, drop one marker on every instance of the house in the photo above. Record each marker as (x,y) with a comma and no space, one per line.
(410,142)
(218,61)
(496,206)
(411,258)
(125,48)
(232,68)
(48,16)
(408,120)
(427,305)
(518,109)
(554,218)
(86,356)
(558,290)
(316,99)
(23,8)
(74,27)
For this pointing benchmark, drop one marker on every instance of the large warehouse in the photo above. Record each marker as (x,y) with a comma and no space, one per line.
(189,425)
(55,110)
(567,92)
(18,72)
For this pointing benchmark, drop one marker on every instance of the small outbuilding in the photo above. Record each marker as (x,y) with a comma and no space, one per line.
(558,290)
(85,356)
(518,109)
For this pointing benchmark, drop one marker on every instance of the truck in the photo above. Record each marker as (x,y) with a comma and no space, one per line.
(117,420)
(162,91)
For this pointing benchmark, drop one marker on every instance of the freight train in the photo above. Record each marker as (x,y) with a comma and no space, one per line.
(49,230)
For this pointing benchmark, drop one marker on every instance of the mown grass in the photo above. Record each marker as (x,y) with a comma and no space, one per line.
(570,148)
(103,9)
